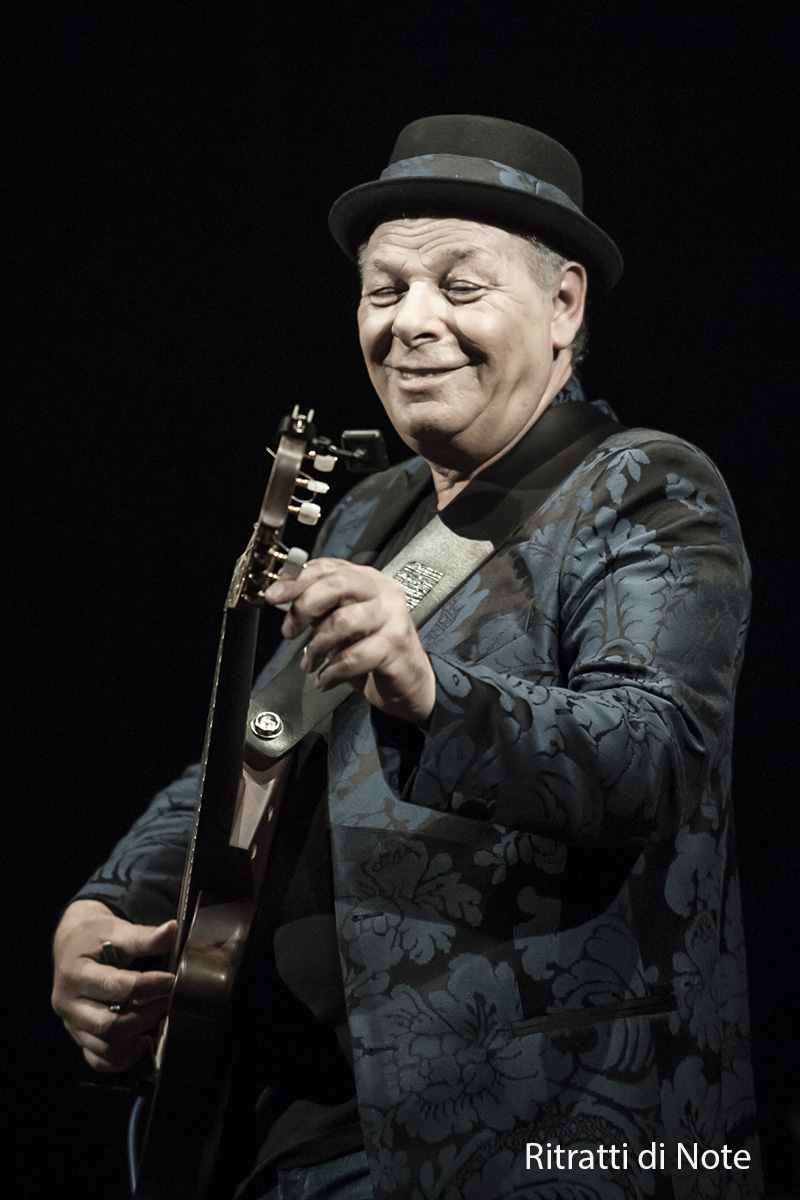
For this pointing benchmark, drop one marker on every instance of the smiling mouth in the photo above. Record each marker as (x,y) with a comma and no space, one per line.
(425,372)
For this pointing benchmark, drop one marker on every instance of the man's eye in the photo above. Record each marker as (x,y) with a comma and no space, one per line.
(384,295)
(463,291)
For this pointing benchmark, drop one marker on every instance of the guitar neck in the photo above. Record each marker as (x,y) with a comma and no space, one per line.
(214,865)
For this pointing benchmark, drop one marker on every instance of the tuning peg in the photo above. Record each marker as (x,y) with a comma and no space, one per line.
(294,562)
(307,513)
(313,485)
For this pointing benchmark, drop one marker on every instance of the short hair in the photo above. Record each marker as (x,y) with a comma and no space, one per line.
(544,264)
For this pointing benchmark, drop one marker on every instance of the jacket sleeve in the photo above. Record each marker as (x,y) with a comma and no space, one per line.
(637,587)
(141,879)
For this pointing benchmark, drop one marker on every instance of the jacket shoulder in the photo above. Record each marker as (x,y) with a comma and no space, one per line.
(640,464)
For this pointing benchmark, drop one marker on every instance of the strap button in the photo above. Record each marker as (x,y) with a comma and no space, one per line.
(266,725)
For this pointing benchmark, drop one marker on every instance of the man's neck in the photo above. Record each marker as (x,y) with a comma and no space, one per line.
(449,481)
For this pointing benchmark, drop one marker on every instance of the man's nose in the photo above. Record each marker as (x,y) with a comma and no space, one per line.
(420,314)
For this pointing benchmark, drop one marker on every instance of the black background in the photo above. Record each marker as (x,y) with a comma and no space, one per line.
(176,291)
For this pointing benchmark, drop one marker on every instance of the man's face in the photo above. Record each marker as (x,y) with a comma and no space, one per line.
(457,337)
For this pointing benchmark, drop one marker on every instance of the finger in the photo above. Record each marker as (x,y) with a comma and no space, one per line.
(398,681)
(138,941)
(91,1019)
(94,982)
(104,1056)
(315,603)
(376,601)
(333,583)
(288,589)
(123,987)
(363,637)
(353,662)
(340,630)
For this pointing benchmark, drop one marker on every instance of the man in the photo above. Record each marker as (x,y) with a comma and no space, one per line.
(505,954)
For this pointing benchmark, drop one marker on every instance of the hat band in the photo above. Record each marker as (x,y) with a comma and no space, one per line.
(476,170)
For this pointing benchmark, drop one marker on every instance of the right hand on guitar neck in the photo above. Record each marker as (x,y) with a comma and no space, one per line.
(85,988)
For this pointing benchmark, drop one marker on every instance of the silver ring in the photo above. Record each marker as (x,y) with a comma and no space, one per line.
(110,957)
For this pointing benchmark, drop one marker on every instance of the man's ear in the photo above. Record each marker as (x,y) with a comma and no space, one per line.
(569,300)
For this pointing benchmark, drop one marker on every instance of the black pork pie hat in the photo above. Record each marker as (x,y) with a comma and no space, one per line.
(482,169)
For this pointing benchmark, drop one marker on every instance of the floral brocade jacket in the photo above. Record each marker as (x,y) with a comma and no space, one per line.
(539,924)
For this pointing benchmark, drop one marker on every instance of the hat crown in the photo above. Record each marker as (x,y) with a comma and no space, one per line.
(495,140)
(480,169)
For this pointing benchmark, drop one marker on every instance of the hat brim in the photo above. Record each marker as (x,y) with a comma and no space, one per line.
(358,212)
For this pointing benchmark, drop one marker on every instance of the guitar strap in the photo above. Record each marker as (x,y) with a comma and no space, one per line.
(437,561)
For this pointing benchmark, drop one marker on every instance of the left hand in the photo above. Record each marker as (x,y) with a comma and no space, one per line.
(363,635)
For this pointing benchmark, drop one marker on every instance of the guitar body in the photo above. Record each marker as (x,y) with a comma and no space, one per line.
(188,1141)
(195,1138)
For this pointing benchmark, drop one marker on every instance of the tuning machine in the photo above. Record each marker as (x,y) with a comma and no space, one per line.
(362,450)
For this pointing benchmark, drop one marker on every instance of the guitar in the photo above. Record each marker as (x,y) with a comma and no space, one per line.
(189,1145)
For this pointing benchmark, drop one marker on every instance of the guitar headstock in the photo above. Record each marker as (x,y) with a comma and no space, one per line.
(298,452)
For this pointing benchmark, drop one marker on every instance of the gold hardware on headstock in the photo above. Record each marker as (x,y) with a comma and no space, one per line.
(266,557)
